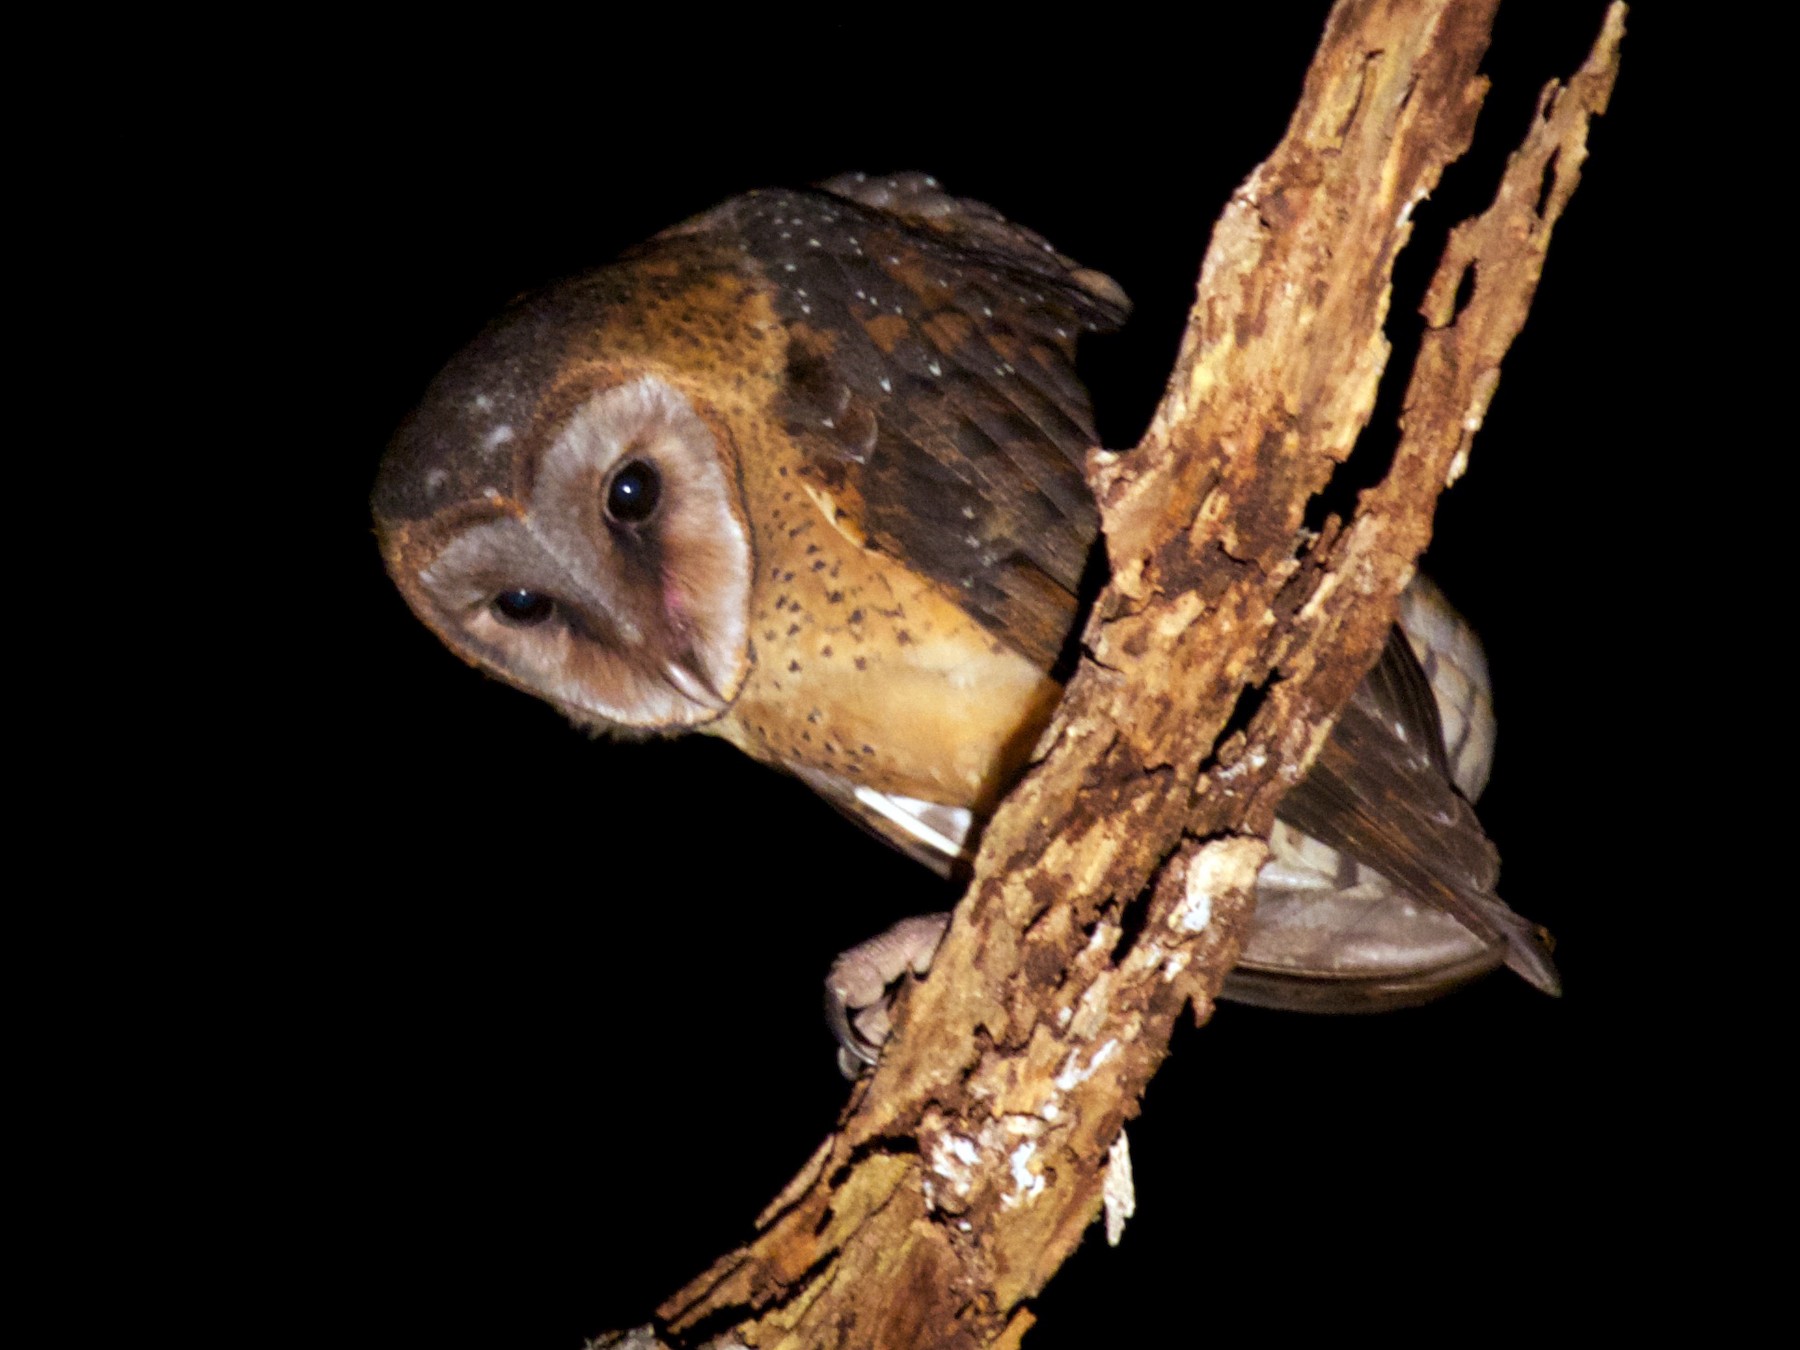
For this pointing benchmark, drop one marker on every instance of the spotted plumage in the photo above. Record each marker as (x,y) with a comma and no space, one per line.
(805,473)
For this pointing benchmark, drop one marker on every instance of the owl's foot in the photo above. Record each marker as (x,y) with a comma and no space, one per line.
(860,987)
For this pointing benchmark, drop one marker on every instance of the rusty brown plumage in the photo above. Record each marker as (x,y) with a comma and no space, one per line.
(930,386)
(893,385)
(851,537)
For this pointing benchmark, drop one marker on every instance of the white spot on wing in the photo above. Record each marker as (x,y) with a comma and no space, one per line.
(911,814)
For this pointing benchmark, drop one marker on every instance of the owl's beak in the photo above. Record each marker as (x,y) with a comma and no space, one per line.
(684,671)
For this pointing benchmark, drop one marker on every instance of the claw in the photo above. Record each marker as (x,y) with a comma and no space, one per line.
(860,986)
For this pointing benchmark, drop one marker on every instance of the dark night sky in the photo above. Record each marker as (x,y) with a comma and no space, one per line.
(569,995)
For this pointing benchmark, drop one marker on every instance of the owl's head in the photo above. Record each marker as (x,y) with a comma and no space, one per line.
(567,507)
(572,524)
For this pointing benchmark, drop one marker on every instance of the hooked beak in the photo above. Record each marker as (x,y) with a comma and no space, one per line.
(684,671)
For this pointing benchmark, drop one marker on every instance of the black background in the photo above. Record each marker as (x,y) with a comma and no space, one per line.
(559,1038)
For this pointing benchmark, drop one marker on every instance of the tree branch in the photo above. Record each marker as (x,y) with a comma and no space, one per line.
(1114,884)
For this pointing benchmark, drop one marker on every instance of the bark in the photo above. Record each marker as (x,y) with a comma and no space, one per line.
(1115,881)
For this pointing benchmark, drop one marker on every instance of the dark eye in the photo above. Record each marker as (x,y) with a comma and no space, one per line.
(633,493)
(523,607)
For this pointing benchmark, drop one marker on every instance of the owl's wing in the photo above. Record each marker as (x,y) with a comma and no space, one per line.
(1379,890)
(931,388)
(1380,793)
(927,832)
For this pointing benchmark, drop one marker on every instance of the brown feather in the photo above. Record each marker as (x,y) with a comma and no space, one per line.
(879,376)
(930,389)
(1380,792)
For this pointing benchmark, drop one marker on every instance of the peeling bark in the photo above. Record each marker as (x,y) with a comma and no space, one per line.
(1115,882)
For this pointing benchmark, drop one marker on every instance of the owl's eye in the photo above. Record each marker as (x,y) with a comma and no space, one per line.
(523,607)
(634,492)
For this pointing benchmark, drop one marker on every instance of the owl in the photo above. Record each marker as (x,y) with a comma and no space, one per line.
(805,473)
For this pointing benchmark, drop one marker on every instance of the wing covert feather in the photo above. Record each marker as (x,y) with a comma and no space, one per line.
(930,385)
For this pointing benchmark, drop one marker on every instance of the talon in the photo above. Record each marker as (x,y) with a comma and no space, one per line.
(860,987)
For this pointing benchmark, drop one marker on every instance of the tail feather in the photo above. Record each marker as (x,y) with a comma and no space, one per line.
(1528,948)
